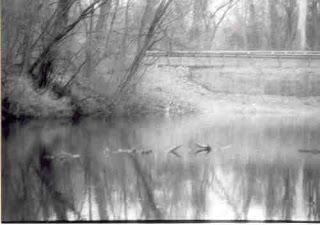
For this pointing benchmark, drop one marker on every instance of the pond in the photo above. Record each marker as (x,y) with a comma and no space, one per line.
(56,170)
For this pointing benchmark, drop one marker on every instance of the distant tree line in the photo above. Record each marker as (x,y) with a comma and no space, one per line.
(245,25)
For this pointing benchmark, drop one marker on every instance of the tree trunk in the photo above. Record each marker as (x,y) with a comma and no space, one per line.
(290,34)
(101,26)
(103,16)
(274,21)
(89,47)
(114,14)
(46,68)
(196,21)
(244,26)
(125,34)
(144,20)
(315,20)
(146,45)
(253,35)
(27,39)
(302,22)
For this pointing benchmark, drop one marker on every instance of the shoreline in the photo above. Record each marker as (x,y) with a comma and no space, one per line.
(166,91)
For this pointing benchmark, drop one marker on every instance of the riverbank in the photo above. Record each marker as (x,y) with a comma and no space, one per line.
(166,91)
(174,91)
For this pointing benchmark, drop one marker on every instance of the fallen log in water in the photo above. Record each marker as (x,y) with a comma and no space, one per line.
(128,151)
(174,151)
(311,151)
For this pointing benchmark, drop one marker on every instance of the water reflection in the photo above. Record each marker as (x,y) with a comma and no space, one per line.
(55,170)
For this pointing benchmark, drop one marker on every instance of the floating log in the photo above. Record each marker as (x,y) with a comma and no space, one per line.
(311,151)
(146,152)
(62,156)
(203,148)
(131,150)
(173,151)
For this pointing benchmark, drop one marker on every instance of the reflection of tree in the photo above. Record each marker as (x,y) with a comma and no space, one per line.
(274,183)
(135,186)
(271,192)
(198,192)
(172,180)
(124,178)
(17,195)
(311,189)
(148,204)
(55,183)
(289,194)
(250,184)
(225,195)
(43,187)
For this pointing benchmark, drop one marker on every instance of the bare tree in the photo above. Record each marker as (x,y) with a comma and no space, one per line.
(149,41)
(126,30)
(46,58)
(216,20)
(47,65)
(206,22)
(302,22)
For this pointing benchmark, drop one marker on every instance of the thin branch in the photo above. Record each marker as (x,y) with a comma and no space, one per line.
(111,24)
(75,74)
(212,15)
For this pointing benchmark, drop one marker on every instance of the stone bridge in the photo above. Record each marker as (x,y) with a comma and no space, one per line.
(287,73)
(292,59)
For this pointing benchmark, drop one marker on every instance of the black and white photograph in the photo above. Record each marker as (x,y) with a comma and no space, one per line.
(160,111)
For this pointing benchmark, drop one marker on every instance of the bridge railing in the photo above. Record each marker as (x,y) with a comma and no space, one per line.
(253,54)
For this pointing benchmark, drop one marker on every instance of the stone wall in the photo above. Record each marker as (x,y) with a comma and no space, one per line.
(240,61)
(251,73)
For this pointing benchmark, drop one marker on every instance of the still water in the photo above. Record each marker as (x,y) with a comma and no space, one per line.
(55,170)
